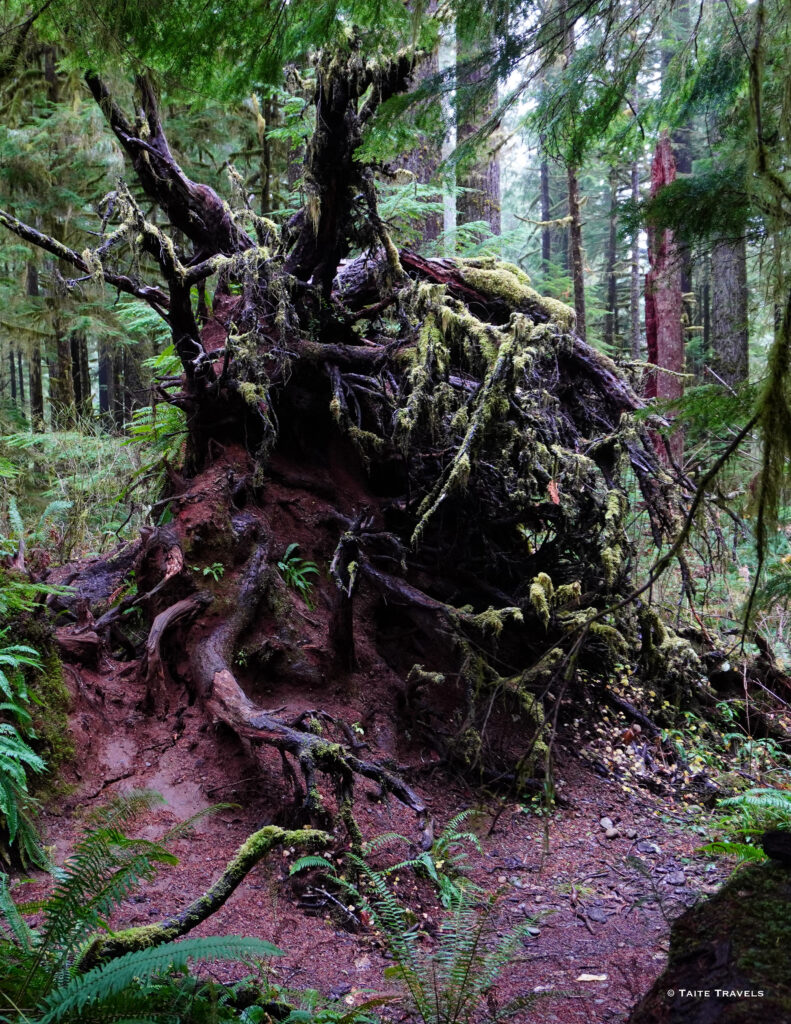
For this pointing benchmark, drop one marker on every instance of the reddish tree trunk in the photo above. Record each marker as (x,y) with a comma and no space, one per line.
(663,303)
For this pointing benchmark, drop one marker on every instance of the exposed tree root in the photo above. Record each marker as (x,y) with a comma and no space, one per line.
(104,948)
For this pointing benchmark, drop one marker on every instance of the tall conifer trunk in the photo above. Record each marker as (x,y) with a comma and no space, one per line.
(576,259)
(34,362)
(611,279)
(634,283)
(482,176)
(729,332)
(663,302)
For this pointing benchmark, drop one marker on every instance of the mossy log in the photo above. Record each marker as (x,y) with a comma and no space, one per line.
(103,948)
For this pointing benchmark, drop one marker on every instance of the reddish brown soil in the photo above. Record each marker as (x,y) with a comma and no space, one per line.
(603,916)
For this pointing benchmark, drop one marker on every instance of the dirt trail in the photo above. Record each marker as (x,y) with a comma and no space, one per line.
(598,913)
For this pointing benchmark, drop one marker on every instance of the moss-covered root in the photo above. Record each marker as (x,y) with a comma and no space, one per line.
(103,948)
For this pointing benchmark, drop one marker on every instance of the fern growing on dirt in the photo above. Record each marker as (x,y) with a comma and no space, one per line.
(18,835)
(295,572)
(443,864)
(451,983)
(102,986)
(749,814)
(40,968)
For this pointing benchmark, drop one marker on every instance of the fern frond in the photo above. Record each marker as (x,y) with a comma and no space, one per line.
(103,982)
(10,912)
(311,862)
(104,868)
(743,851)
(14,517)
(124,809)
(383,840)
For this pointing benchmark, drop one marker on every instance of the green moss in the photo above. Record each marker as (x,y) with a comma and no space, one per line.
(493,620)
(467,748)
(568,594)
(541,593)
(346,814)
(611,560)
(611,637)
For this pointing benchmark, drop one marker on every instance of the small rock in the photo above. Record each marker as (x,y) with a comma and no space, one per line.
(611,833)
(606,823)
(631,833)
(676,878)
(597,914)
(644,846)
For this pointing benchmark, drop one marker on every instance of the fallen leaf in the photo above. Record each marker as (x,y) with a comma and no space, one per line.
(591,977)
(552,487)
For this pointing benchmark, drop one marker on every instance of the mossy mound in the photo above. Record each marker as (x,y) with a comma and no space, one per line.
(729,956)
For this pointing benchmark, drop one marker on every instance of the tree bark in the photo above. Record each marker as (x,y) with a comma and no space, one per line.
(21,379)
(34,361)
(105,382)
(481,176)
(12,370)
(117,389)
(729,328)
(81,374)
(575,221)
(664,333)
(61,382)
(611,279)
(424,160)
(634,283)
(575,251)
(546,213)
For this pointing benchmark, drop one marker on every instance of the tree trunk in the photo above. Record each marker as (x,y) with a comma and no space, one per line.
(663,319)
(575,251)
(105,383)
(12,370)
(610,277)
(81,374)
(546,215)
(34,360)
(117,389)
(481,175)
(634,289)
(729,328)
(424,160)
(61,382)
(134,392)
(21,380)
(576,259)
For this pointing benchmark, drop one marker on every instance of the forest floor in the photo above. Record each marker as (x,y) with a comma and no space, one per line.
(603,904)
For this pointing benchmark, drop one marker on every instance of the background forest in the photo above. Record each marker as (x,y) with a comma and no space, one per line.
(434,352)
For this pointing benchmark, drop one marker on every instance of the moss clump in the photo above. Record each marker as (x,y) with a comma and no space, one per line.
(611,560)
(568,594)
(542,591)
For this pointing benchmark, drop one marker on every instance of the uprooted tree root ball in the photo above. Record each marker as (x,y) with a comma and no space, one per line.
(433,431)
(477,526)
